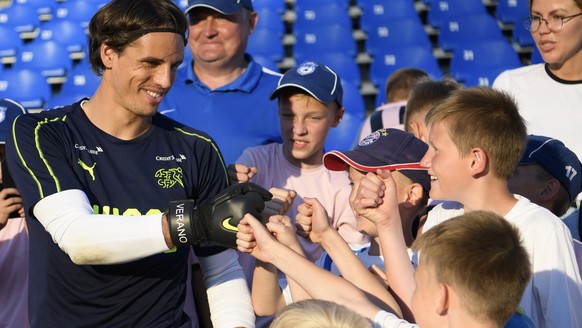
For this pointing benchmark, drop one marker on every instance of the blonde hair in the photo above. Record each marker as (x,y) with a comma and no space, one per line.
(480,255)
(314,313)
(485,118)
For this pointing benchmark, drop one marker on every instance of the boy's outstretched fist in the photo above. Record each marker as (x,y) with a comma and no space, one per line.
(280,203)
(312,220)
(376,198)
(241,172)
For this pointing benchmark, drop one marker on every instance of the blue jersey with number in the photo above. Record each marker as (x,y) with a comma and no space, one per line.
(237,115)
(61,149)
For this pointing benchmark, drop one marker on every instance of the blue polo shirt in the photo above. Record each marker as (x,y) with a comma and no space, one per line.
(237,115)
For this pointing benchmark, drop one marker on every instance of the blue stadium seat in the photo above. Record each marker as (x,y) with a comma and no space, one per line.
(22,19)
(342,63)
(26,86)
(414,56)
(522,36)
(64,99)
(278,5)
(42,7)
(322,13)
(81,80)
(342,137)
(270,18)
(353,101)
(469,28)
(300,4)
(442,11)
(10,44)
(77,11)
(378,12)
(536,56)
(512,11)
(49,57)
(396,33)
(67,33)
(400,57)
(334,37)
(479,62)
(266,43)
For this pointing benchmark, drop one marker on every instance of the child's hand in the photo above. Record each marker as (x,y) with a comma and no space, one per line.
(252,237)
(312,220)
(241,172)
(376,198)
(285,231)
(10,201)
(280,203)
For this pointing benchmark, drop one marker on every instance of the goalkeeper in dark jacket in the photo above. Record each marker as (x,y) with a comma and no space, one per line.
(97,176)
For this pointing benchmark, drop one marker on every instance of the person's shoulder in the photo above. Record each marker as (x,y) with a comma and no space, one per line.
(270,73)
(270,148)
(51,115)
(518,73)
(533,216)
(261,154)
(442,211)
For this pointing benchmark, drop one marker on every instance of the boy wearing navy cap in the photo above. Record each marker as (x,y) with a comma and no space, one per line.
(310,104)
(550,175)
(389,149)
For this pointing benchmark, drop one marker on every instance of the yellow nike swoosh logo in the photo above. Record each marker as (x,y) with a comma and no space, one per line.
(226,225)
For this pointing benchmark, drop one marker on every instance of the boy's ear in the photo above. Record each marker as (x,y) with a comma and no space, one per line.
(413,195)
(414,128)
(479,161)
(339,114)
(550,190)
(443,300)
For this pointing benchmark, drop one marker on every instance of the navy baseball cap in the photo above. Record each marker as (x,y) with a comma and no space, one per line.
(226,7)
(386,149)
(557,159)
(9,109)
(318,80)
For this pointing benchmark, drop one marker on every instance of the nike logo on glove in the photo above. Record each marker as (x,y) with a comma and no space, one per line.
(226,225)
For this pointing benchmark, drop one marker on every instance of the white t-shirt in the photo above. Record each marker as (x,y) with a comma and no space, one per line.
(553,298)
(551,107)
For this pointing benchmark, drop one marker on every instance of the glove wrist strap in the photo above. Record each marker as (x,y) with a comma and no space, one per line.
(184,224)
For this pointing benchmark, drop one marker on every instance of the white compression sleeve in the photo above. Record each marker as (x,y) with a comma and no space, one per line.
(90,238)
(228,295)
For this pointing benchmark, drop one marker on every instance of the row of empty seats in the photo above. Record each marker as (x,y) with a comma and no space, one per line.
(364,40)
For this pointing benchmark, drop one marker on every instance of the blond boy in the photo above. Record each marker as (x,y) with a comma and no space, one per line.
(476,137)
